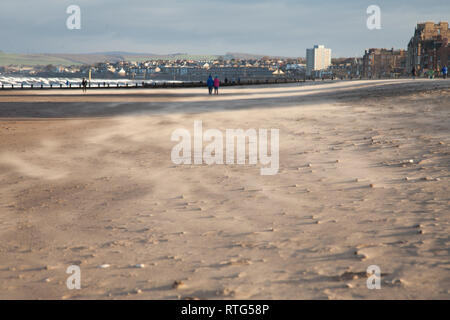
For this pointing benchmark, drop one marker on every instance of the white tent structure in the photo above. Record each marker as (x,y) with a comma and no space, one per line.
(278,72)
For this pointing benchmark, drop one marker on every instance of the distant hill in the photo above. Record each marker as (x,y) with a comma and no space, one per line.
(250,56)
(175,56)
(7,59)
(66,59)
(243,56)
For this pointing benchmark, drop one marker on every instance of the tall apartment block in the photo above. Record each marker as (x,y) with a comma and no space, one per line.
(317,59)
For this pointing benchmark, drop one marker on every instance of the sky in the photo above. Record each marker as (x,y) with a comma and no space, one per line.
(275,27)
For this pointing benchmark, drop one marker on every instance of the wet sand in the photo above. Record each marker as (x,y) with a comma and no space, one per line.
(87,179)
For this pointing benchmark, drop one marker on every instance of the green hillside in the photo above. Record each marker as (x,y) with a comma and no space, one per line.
(7,59)
(140,58)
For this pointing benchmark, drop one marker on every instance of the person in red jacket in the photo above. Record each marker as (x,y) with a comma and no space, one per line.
(216,85)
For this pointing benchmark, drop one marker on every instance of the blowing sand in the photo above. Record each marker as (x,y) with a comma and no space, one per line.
(364,175)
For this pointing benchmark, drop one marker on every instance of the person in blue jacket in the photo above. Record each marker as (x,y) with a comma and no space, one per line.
(210,84)
(444,72)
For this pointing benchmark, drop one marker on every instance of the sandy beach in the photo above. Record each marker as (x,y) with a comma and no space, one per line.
(364,179)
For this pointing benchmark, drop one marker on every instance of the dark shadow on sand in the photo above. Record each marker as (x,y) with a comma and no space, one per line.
(46,110)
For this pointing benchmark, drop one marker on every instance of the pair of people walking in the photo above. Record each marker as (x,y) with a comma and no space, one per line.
(213,84)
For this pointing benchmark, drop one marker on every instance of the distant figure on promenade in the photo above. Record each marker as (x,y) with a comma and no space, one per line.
(444,72)
(84,84)
(216,85)
(413,72)
(67,83)
(210,84)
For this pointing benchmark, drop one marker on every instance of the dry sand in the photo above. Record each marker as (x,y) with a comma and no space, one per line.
(87,180)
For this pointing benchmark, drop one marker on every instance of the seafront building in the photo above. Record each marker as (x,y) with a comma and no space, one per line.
(347,68)
(318,58)
(384,63)
(429,47)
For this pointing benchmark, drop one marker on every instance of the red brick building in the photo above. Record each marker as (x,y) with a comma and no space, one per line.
(383,63)
(429,48)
